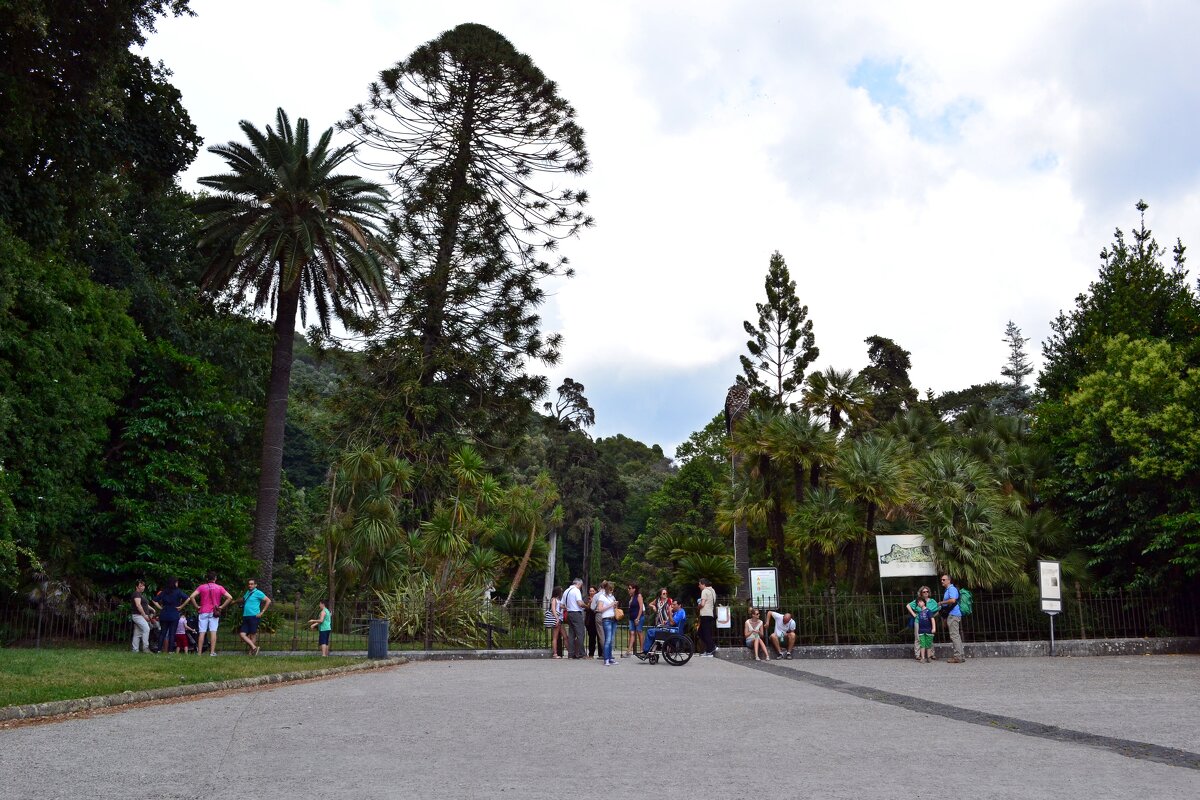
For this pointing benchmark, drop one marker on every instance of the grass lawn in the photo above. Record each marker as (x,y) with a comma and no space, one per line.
(38,676)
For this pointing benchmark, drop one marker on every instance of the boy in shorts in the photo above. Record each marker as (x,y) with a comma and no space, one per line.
(926,628)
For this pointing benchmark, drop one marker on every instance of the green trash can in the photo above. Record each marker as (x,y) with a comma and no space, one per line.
(377,639)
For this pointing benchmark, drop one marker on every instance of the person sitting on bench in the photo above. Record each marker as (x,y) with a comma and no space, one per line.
(784,635)
(678,617)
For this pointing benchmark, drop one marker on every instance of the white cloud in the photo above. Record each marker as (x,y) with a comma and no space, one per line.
(720,133)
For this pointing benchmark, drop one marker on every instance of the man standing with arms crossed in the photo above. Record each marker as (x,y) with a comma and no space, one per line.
(954,620)
(708,620)
(212,599)
(573,600)
(254,605)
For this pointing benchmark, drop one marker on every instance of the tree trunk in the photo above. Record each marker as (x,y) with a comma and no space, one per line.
(270,469)
(521,569)
(775,518)
(860,550)
(741,546)
(437,291)
(548,585)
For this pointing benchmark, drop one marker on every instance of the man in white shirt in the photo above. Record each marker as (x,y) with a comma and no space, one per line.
(785,633)
(573,599)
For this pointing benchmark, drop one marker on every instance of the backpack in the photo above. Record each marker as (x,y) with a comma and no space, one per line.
(965,600)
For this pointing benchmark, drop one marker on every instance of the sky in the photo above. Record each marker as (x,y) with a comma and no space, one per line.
(929,171)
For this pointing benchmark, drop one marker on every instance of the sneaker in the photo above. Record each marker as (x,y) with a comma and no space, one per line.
(788,655)
(214,655)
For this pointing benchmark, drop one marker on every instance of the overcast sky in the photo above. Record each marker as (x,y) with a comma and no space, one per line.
(928,170)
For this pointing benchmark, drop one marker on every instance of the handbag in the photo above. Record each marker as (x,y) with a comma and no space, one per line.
(620,614)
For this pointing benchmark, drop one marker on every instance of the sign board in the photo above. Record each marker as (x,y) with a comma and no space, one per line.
(723,619)
(904,556)
(764,586)
(1050,583)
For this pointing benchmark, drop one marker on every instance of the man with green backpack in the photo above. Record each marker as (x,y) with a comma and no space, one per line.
(951,599)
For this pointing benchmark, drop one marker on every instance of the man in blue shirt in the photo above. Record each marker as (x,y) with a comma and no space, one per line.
(678,617)
(254,603)
(954,620)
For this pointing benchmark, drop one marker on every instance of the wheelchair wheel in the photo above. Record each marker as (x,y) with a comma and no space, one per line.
(677,650)
(653,657)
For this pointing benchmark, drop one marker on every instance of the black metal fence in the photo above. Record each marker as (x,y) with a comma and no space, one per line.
(824,619)
(841,619)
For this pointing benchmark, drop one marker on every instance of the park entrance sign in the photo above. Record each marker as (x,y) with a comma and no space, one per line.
(904,556)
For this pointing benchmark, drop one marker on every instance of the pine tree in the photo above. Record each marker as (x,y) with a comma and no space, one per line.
(1016,399)
(476,140)
(782,345)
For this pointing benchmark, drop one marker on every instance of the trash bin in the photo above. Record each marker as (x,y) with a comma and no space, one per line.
(377,639)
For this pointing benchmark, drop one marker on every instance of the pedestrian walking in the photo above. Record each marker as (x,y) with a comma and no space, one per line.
(953,619)
(708,620)
(636,615)
(324,626)
(606,612)
(140,618)
(554,621)
(573,598)
(912,608)
(168,600)
(210,598)
(591,627)
(254,604)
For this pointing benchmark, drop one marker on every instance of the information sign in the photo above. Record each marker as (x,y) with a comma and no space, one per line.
(764,586)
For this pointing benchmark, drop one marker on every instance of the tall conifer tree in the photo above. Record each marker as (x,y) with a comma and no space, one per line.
(782,344)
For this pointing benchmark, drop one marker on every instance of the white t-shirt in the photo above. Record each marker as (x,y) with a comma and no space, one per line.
(573,599)
(780,626)
(603,598)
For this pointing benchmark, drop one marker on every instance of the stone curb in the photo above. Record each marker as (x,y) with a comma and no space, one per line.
(1180,645)
(58,707)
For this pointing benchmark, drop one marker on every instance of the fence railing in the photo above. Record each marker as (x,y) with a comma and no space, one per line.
(823,619)
(841,619)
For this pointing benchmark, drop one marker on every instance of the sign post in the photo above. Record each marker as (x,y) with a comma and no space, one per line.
(764,586)
(901,556)
(1050,583)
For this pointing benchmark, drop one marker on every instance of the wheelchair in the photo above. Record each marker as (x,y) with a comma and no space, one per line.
(675,648)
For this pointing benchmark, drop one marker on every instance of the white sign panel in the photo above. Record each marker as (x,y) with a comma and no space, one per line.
(723,618)
(903,556)
(764,586)
(1050,582)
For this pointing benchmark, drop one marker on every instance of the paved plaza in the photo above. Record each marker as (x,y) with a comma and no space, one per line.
(1091,728)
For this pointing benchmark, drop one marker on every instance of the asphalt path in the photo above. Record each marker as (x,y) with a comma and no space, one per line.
(555,729)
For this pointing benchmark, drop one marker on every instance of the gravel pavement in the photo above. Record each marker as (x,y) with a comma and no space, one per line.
(555,729)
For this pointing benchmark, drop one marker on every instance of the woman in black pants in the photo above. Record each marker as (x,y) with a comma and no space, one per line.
(589,625)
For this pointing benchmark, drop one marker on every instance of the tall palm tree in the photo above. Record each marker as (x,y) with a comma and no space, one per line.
(874,472)
(838,394)
(285,226)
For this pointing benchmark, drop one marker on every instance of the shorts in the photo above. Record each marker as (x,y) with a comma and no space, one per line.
(208,623)
(751,639)
(635,626)
(926,640)
(323,637)
(250,625)
(181,642)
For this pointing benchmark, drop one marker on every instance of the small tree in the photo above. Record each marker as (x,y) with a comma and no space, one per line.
(1016,399)
(782,344)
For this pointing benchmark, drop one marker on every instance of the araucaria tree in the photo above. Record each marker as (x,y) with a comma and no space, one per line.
(282,227)
(476,140)
(782,344)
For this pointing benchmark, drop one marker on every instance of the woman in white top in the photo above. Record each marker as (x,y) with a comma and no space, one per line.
(606,615)
(754,636)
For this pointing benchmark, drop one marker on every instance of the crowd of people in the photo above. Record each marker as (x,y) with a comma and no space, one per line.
(571,619)
(165,615)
